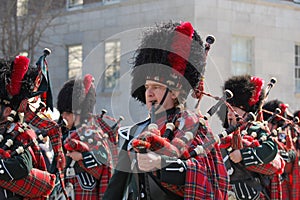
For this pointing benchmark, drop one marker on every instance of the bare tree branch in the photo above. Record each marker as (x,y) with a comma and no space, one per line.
(23,25)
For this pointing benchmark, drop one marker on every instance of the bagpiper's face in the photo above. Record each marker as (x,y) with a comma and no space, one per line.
(232,115)
(70,117)
(155,92)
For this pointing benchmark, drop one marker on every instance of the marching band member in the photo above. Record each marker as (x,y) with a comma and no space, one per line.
(249,154)
(286,139)
(86,173)
(168,64)
(297,145)
(23,173)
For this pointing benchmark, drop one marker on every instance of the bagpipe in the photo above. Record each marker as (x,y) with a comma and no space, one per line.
(232,137)
(96,135)
(39,183)
(235,137)
(174,142)
(288,137)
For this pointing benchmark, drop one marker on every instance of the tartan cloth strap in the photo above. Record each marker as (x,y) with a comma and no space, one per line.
(52,129)
(112,140)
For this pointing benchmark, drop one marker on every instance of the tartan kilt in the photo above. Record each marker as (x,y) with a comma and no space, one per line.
(37,184)
(80,193)
(276,166)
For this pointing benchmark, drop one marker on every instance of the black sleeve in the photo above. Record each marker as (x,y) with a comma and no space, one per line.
(120,179)
(95,158)
(16,167)
(262,154)
(117,186)
(173,170)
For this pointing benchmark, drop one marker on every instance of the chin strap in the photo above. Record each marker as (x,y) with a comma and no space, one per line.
(162,100)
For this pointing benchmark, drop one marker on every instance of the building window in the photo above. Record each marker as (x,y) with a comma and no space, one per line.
(110,1)
(22,8)
(74,4)
(241,55)
(112,64)
(297,68)
(74,61)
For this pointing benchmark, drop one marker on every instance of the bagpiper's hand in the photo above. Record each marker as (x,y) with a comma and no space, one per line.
(149,161)
(75,155)
(236,156)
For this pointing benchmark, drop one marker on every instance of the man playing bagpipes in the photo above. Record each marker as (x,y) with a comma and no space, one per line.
(23,173)
(86,141)
(156,161)
(285,133)
(251,157)
(297,143)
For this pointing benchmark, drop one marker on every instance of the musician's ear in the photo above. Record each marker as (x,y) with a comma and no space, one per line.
(174,94)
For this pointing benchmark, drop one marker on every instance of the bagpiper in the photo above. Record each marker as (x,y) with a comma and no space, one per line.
(283,130)
(156,160)
(251,157)
(87,141)
(23,173)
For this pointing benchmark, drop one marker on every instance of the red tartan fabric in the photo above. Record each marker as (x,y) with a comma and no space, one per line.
(81,194)
(101,172)
(291,185)
(53,131)
(38,184)
(112,141)
(206,176)
(35,150)
(276,166)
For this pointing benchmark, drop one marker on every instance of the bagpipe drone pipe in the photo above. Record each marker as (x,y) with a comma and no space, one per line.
(96,135)
(179,143)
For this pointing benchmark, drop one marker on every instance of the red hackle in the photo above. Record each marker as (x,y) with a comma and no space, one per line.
(181,47)
(20,67)
(258,82)
(87,81)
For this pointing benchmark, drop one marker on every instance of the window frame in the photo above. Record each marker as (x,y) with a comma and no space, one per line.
(242,58)
(116,63)
(76,68)
(72,5)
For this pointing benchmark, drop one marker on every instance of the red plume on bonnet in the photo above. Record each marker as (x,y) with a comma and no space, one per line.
(20,67)
(87,81)
(181,46)
(258,82)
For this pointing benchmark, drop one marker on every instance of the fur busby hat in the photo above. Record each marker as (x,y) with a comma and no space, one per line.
(170,53)
(248,92)
(272,106)
(78,97)
(17,80)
